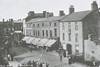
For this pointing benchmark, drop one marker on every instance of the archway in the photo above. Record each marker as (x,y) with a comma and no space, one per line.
(69,48)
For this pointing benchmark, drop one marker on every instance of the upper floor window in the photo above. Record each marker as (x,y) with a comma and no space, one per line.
(46,32)
(55,24)
(50,23)
(76,26)
(34,32)
(33,25)
(69,36)
(76,37)
(38,33)
(50,33)
(37,25)
(69,27)
(55,32)
(63,26)
(63,36)
(43,32)
(42,24)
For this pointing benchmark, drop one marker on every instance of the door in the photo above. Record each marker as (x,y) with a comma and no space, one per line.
(69,49)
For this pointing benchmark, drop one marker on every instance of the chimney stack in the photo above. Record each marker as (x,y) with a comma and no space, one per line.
(71,9)
(44,14)
(94,6)
(31,13)
(3,20)
(61,13)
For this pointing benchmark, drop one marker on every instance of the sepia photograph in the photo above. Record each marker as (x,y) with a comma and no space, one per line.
(49,33)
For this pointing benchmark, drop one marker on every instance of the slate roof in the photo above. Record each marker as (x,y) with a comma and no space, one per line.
(54,18)
(76,16)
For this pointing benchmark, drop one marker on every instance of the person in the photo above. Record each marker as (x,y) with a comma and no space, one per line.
(9,57)
(70,59)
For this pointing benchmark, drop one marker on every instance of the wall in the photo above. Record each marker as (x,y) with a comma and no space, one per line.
(64,28)
(32,29)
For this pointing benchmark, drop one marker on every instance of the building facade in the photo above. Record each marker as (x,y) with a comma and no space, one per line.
(77,27)
(18,31)
(72,29)
(71,36)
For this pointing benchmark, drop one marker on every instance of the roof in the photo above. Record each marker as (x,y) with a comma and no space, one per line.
(76,16)
(54,18)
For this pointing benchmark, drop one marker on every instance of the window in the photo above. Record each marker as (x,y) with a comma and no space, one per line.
(42,24)
(55,32)
(63,36)
(69,27)
(50,23)
(76,37)
(63,26)
(38,33)
(77,49)
(38,25)
(46,32)
(69,36)
(55,24)
(33,25)
(76,26)
(43,33)
(50,33)
(34,32)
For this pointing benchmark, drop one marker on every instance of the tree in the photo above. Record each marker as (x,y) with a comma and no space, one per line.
(3,61)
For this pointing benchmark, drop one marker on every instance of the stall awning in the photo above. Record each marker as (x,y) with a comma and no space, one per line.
(35,41)
(17,31)
(50,42)
(29,41)
(42,42)
(39,41)
(25,38)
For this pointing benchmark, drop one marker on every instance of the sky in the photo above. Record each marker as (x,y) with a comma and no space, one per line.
(18,9)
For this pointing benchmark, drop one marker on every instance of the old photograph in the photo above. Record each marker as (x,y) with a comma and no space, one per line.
(49,33)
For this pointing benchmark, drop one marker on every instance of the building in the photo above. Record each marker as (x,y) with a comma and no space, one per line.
(32,15)
(6,35)
(77,26)
(11,30)
(18,31)
(72,29)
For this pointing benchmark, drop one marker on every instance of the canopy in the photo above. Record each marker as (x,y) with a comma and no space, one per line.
(50,42)
(43,42)
(25,38)
(17,31)
(39,41)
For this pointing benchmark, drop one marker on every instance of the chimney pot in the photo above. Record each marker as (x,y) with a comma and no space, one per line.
(61,13)
(94,5)
(31,13)
(71,9)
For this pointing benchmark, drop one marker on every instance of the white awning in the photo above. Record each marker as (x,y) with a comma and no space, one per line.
(42,42)
(50,42)
(39,41)
(17,31)
(25,38)
(29,41)
(35,41)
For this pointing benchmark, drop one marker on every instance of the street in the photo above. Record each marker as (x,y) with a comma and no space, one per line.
(51,58)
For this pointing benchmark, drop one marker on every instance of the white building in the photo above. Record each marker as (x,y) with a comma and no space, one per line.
(72,29)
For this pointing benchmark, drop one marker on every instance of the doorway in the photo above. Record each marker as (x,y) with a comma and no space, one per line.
(69,48)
